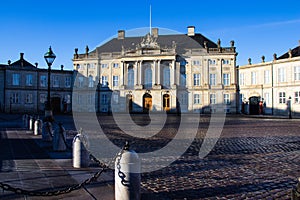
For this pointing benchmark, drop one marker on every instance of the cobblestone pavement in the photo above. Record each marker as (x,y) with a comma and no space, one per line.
(255,158)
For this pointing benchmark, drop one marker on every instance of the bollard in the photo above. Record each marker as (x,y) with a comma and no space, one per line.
(47,131)
(59,138)
(296,191)
(80,152)
(31,123)
(127,175)
(37,127)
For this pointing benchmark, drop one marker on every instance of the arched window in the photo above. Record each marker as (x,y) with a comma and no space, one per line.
(182,76)
(148,77)
(130,78)
(166,77)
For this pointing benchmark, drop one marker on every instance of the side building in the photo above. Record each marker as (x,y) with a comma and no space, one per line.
(24,88)
(271,87)
(173,73)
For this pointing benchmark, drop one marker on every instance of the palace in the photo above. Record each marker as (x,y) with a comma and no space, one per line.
(173,73)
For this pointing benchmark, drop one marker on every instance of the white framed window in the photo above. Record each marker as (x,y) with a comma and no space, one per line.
(197,79)
(15,97)
(104,81)
(212,62)
(184,99)
(28,99)
(297,97)
(91,81)
(212,79)
(212,99)
(196,62)
(115,65)
(43,80)
(267,76)
(253,78)
(115,98)
(104,65)
(282,98)
(28,80)
(297,73)
(242,79)
(130,77)
(281,75)
(226,62)
(267,98)
(90,98)
(115,81)
(197,99)
(226,79)
(42,98)
(55,81)
(15,79)
(182,75)
(68,81)
(79,99)
(226,99)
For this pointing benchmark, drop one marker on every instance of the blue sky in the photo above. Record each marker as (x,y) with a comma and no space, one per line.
(257,27)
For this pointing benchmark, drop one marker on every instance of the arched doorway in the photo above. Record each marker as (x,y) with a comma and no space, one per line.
(254,105)
(147,102)
(129,103)
(166,102)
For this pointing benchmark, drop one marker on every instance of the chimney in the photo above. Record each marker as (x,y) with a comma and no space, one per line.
(62,67)
(36,64)
(121,34)
(155,32)
(191,31)
(21,56)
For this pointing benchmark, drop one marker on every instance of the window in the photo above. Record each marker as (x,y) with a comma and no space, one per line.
(16,79)
(115,65)
(130,78)
(212,98)
(242,79)
(182,75)
(79,99)
(104,81)
(267,98)
(78,67)
(104,99)
(212,79)
(267,76)
(297,97)
(55,81)
(91,81)
(115,81)
(80,82)
(90,98)
(212,62)
(197,99)
(253,78)
(28,80)
(104,65)
(115,98)
(28,98)
(183,99)
(281,75)
(42,98)
(166,77)
(226,79)
(43,81)
(226,99)
(68,81)
(15,98)
(282,99)
(148,77)
(196,62)
(226,62)
(197,80)
(297,73)
(90,66)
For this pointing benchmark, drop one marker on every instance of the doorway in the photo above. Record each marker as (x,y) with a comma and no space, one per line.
(147,102)
(129,103)
(166,102)
(254,105)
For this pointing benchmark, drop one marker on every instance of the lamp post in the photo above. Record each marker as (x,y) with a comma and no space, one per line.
(49,57)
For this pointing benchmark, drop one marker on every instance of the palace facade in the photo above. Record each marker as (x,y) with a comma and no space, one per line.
(271,87)
(173,73)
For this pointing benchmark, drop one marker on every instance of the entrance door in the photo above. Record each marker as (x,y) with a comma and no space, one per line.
(56,104)
(166,102)
(147,102)
(254,105)
(129,103)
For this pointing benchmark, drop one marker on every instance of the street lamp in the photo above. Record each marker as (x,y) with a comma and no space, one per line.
(49,57)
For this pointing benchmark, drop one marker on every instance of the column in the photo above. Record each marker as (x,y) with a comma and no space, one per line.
(122,73)
(140,72)
(136,73)
(154,73)
(172,74)
(158,72)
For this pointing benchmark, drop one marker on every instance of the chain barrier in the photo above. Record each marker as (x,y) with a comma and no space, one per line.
(66,190)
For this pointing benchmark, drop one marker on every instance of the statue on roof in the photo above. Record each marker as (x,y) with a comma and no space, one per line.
(149,41)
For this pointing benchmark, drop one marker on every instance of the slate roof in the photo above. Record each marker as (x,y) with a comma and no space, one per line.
(295,53)
(182,42)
